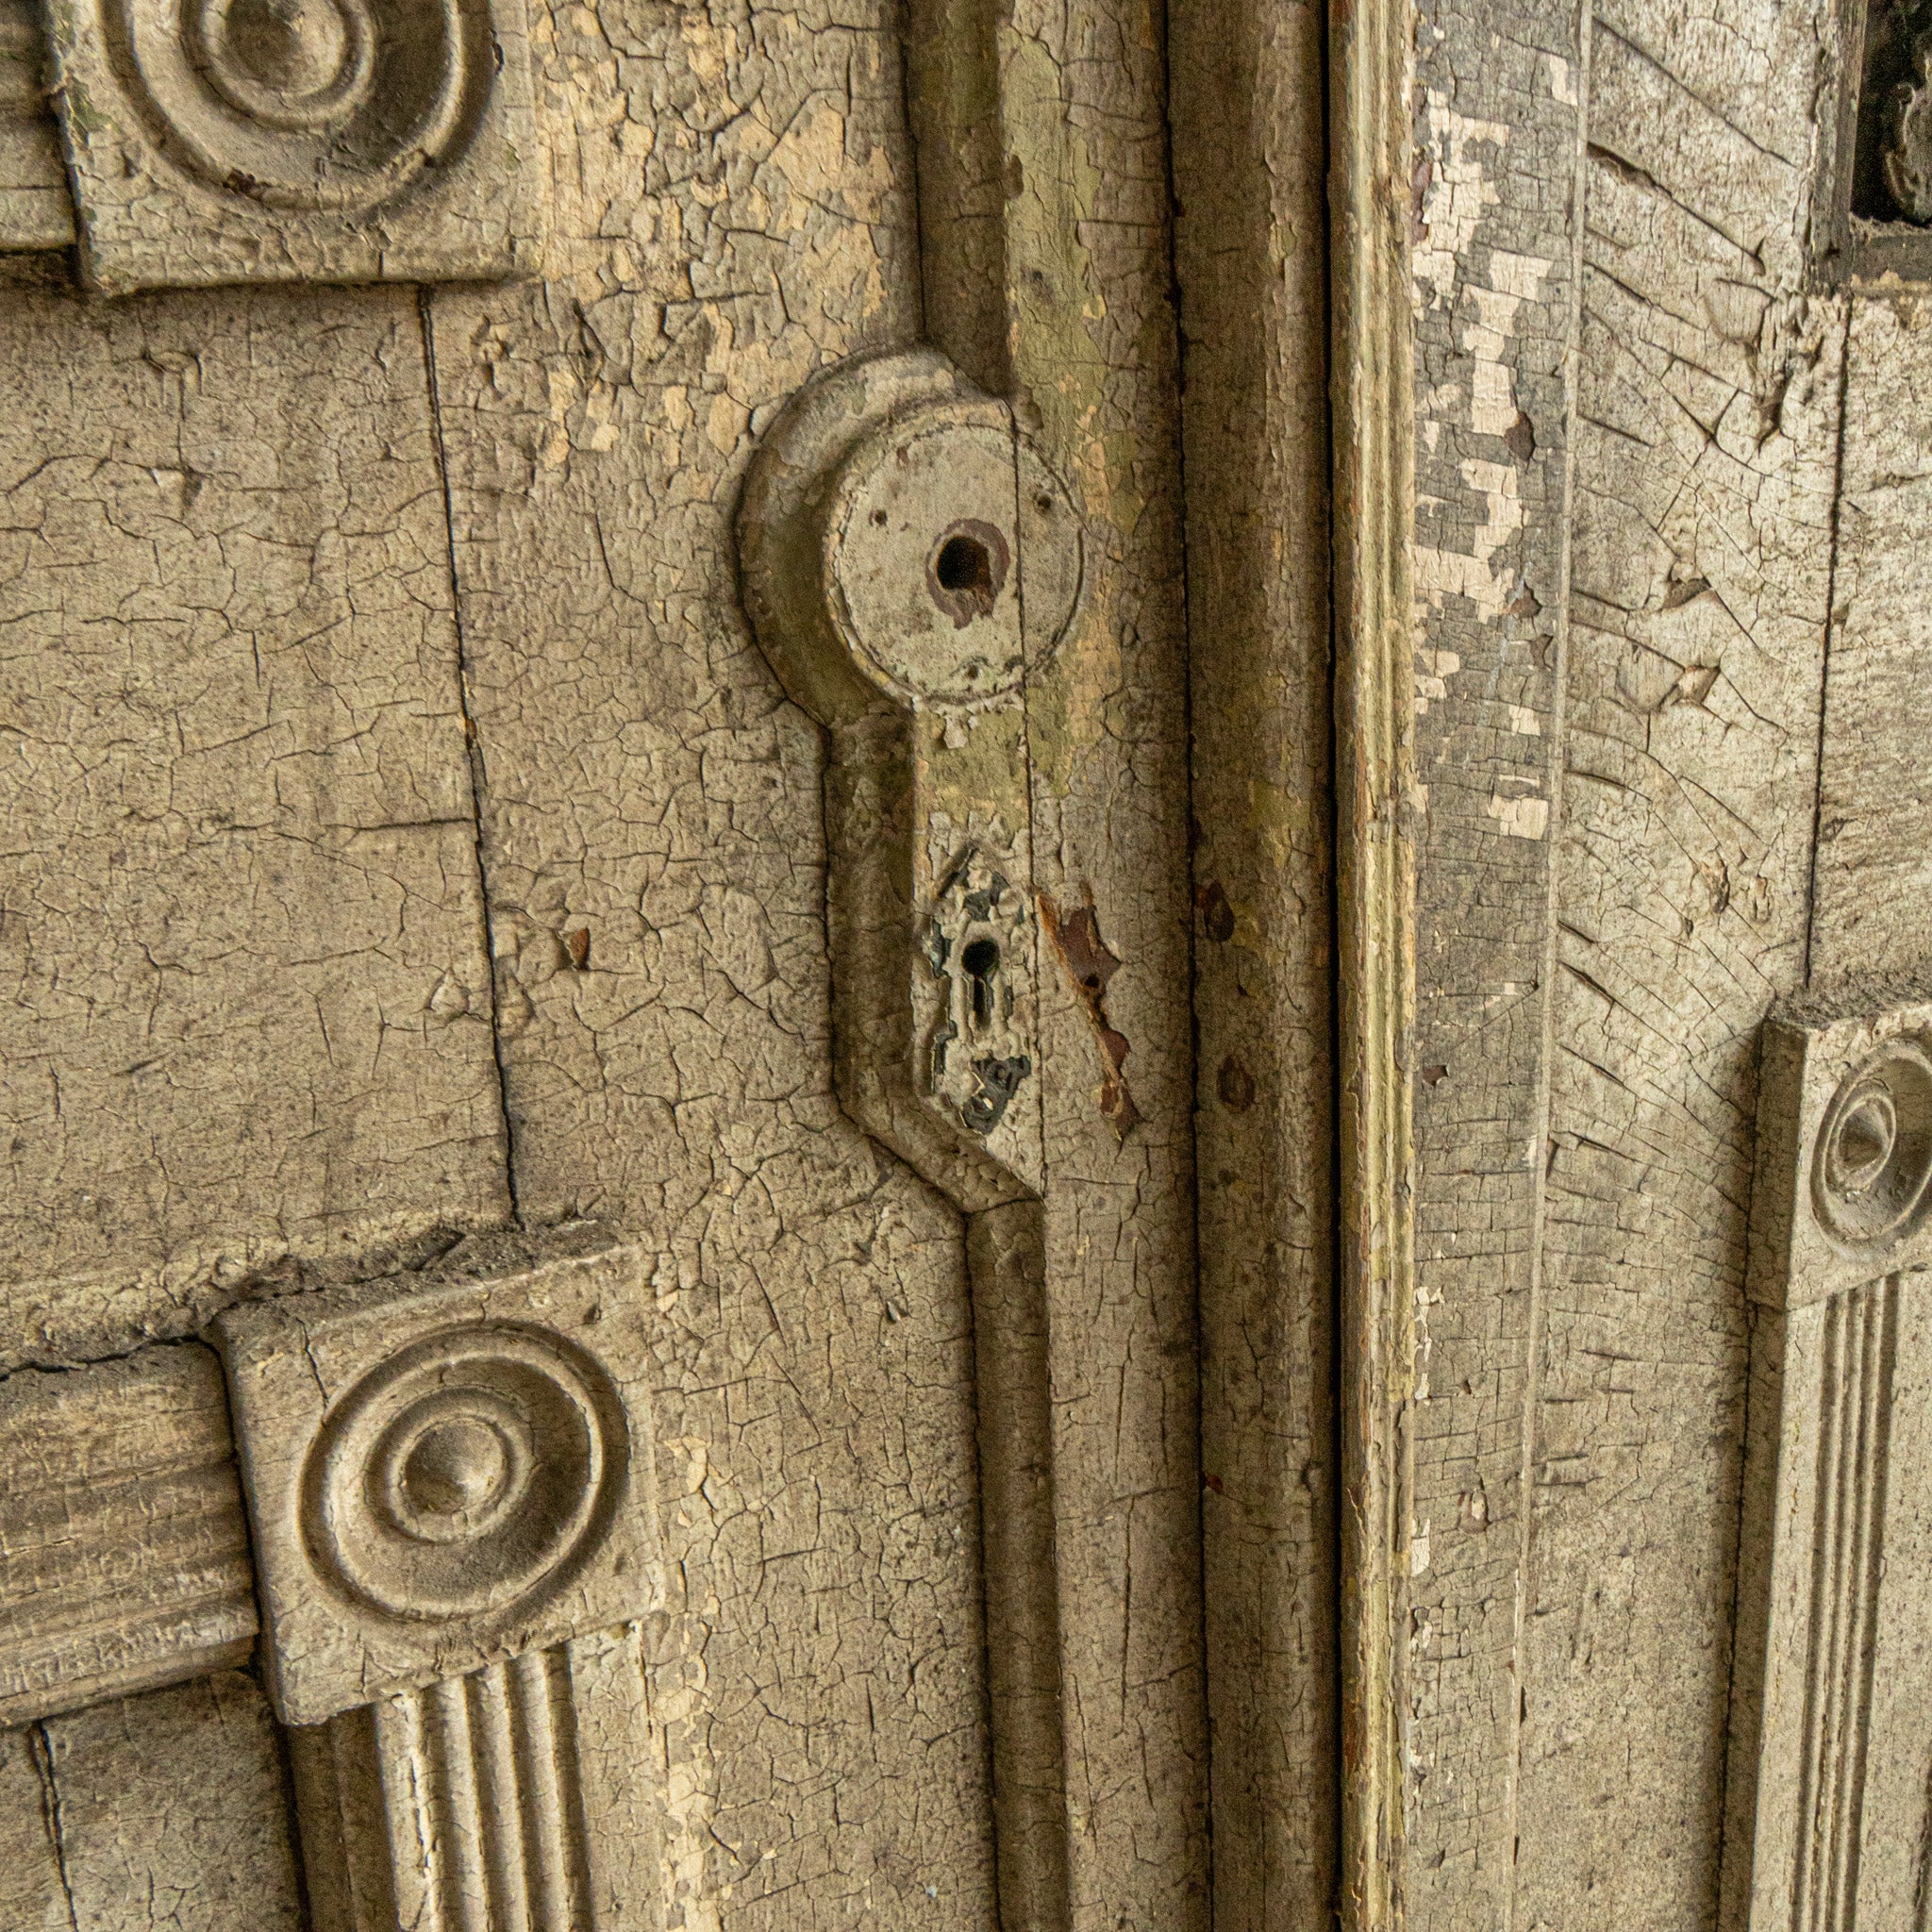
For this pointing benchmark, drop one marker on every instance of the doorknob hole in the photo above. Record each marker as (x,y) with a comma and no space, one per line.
(966,574)
(965,564)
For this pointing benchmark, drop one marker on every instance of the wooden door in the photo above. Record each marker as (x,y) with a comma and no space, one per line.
(502,1427)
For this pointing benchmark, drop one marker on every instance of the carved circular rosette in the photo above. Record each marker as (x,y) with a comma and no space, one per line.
(335,105)
(1872,1167)
(469,1472)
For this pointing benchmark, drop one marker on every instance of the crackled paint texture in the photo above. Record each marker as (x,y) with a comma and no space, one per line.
(1596,954)
(411,836)
(1251,181)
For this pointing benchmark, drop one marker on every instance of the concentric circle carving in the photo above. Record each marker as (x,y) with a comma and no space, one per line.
(331,105)
(472,1469)
(1871,1169)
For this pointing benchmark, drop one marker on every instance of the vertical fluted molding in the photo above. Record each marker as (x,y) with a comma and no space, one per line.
(516,1799)
(1006,1250)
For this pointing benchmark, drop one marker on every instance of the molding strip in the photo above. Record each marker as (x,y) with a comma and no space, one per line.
(1372,393)
(517,1797)
(1829,1824)
(124,1553)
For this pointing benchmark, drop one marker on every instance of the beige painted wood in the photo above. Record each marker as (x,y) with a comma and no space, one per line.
(1493,196)
(655,795)
(652,838)
(1614,888)
(32,1897)
(1872,866)
(1826,1776)
(1251,166)
(124,1555)
(1701,577)
(519,1796)
(170,1810)
(249,1020)
(36,209)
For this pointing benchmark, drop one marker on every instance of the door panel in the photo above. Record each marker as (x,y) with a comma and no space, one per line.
(414,841)
(171,1811)
(248,1023)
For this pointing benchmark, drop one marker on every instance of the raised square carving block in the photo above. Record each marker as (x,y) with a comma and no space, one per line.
(1843,1190)
(252,140)
(446,1477)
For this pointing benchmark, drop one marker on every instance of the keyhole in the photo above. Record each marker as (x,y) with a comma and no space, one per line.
(981,960)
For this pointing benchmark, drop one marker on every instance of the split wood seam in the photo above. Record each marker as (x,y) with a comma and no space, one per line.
(1371,395)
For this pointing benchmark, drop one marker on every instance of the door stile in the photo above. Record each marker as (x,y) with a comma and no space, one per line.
(1251,182)
(1040,137)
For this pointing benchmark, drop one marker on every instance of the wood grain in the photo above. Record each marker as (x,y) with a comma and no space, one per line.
(123,1554)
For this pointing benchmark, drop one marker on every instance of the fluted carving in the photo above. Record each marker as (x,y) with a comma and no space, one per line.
(517,1799)
(1828,1822)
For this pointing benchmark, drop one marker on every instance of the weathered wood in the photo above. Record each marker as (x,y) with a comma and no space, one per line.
(1249,178)
(1373,372)
(248,1018)
(731,211)
(124,1555)
(1089,289)
(1495,197)
(1708,391)
(36,210)
(520,1799)
(1872,913)
(446,1470)
(171,1809)
(329,145)
(33,1897)
(1830,1750)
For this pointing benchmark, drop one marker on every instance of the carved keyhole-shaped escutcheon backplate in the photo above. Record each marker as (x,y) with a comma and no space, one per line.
(909,559)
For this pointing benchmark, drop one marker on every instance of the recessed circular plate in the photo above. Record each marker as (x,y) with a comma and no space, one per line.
(952,557)
(1871,1168)
(465,1473)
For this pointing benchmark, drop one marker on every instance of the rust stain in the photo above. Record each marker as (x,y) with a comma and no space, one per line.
(1077,938)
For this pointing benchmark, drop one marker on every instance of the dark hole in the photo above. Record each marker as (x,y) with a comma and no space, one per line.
(964,565)
(1887,141)
(981,960)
